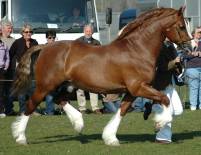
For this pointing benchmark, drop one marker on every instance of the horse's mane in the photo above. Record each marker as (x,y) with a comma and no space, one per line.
(141,19)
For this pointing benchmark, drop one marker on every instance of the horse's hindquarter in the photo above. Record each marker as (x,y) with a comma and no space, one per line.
(50,64)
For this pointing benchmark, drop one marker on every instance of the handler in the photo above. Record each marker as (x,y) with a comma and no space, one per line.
(167,64)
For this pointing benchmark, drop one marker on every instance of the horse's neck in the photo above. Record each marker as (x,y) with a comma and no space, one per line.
(150,37)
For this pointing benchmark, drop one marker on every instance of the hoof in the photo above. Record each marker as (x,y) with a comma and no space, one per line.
(112,142)
(18,129)
(21,141)
(78,125)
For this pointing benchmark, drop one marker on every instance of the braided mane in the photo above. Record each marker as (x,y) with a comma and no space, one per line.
(142,19)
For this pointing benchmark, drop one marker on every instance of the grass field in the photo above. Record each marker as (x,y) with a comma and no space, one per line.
(53,135)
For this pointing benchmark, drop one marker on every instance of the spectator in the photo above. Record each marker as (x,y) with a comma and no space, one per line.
(111,103)
(76,18)
(53,17)
(7,28)
(17,50)
(0,30)
(166,66)
(87,38)
(50,36)
(138,104)
(4,63)
(193,71)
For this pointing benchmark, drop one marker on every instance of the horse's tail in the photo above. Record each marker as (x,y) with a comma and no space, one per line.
(23,74)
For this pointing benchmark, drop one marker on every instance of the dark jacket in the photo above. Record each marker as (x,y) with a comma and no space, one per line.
(16,52)
(165,66)
(192,61)
(89,40)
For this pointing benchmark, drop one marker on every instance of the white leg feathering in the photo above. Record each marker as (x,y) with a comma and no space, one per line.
(18,129)
(75,117)
(110,130)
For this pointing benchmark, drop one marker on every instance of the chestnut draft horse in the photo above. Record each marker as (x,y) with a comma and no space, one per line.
(126,65)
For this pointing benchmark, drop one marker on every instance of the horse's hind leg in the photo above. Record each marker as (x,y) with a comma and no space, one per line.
(110,130)
(61,98)
(19,126)
(74,116)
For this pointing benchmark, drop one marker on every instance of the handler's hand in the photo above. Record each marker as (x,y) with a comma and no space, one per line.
(177,60)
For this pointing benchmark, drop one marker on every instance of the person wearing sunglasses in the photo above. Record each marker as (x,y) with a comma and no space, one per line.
(49,103)
(50,36)
(17,50)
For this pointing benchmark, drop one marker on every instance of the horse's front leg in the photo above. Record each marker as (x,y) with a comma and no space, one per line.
(110,130)
(163,116)
(19,126)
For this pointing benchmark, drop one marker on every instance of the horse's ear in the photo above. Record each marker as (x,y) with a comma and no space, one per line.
(181,10)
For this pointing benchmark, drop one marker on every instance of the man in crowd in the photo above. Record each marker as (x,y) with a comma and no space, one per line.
(87,38)
(6,29)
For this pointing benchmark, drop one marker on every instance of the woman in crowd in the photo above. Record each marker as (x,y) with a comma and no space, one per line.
(17,50)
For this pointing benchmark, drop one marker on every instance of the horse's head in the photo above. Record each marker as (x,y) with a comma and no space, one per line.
(176,31)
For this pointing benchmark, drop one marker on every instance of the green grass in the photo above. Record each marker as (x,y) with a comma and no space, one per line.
(53,135)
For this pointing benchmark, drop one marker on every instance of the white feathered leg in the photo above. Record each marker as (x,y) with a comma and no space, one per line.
(18,129)
(110,130)
(163,115)
(75,117)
